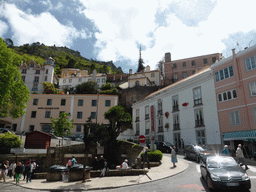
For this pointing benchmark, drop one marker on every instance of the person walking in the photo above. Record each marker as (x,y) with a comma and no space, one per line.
(101,162)
(73,160)
(103,172)
(240,156)
(174,156)
(145,158)
(18,171)
(225,150)
(29,171)
(3,168)
(23,170)
(11,169)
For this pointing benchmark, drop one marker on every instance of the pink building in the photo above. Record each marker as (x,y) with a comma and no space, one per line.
(180,69)
(235,87)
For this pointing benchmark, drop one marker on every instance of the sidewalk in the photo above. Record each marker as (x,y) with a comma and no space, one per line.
(155,173)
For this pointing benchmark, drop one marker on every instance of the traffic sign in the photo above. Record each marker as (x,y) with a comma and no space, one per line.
(142,139)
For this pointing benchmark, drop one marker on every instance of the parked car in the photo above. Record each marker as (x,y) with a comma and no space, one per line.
(4,130)
(224,172)
(196,152)
(165,147)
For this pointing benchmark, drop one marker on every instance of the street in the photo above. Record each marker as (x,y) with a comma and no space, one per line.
(188,181)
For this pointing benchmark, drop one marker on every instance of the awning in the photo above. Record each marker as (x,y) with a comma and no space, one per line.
(239,135)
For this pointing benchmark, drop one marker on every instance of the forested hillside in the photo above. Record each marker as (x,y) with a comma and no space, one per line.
(63,56)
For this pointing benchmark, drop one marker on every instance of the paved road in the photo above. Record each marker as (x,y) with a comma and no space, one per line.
(188,181)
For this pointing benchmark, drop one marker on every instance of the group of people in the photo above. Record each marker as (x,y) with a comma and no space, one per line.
(17,170)
(100,164)
(239,154)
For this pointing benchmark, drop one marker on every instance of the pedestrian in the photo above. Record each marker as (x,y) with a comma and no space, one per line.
(23,170)
(29,170)
(145,158)
(69,164)
(182,143)
(3,168)
(18,171)
(225,150)
(101,162)
(11,169)
(103,172)
(240,156)
(95,164)
(174,156)
(73,160)
(33,169)
(125,164)
(7,170)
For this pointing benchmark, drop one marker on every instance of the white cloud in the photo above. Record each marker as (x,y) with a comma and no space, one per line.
(3,28)
(42,28)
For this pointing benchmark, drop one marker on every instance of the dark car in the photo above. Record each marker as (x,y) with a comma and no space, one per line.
(165,147)
(224,172)
(196,152)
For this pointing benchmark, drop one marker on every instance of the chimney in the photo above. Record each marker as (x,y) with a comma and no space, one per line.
(234,52)
(130,71)
(167,57)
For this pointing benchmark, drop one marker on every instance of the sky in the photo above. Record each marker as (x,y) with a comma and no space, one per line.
(114,30)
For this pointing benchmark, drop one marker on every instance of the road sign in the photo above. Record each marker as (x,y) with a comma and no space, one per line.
(142,139)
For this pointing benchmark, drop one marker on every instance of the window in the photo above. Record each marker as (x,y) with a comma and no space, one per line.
(61,112)
(46,128)
(70,80)
(147,128)
(205,61)
(152,74)
(159,107)
(79,115)
(184,64)
(234,118)
(175,103)
(93,115)
(197,96)
(64,80)
(78,128)
(254,112)
(137,115)
(174,66)
(98,80)
(176,122)
(36,79)
(47,114)
(45,79)
(250,63)
(160,125)
(137,83)
(193,72)
(37,71)
(175,76)
(63,102)
(80,80)
(23,78)
(220,97)
(14,127)
(137,133)
(33,114)
(31,128)
(46,72)
(184,75)
(24,71)
(193,63)
(224,74)
(199,120)
(80,102)
(103,80)
(253,88)
(49,101)
(32,65)
(228,95)
(35,102)
(160,138)
(213,59)
(200,137)
(94,102)
(107,103)
(147,112)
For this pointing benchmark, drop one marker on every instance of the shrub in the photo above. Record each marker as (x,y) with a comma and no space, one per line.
(8,141)
(154,156)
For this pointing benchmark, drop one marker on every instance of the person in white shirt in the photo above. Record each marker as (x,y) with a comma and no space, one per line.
(125,164)
(240,156)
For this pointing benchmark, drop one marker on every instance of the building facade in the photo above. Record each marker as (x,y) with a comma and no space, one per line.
(180,69)
(235,86)
(43,106)
(184,110)
(34,74)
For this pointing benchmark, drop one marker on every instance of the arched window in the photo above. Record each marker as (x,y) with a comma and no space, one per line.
(234,94)
(220,97)
(229,95)
(137,83)
(225,96)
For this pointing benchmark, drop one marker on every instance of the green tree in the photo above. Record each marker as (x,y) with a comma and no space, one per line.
(14,93)
(62,126)
(89,87)
(49,88)
(8,141)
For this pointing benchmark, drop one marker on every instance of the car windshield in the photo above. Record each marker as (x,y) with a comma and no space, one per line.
(220,162)
(198,148)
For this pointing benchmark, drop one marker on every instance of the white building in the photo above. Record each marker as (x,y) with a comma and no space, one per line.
(34,75)
(184,110)
(74,79)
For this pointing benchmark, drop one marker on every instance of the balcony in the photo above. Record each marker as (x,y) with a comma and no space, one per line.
(34,89)
(160,129)
(146,116)
(199,122)
(175,108)
(35,81)
(176,127)
(159,112)
(198,102)
(137,119)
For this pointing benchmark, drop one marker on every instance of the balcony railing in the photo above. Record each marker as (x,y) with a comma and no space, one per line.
(176,126)
(34,89)
(160,112)
(199,122)
(198,101)
(175,108)
(160,129)
(146,116)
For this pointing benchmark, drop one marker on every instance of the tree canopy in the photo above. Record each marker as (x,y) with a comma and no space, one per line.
(49,88)
(14,93)
(89,87)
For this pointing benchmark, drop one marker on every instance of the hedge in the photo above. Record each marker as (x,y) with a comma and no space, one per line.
(154,156)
